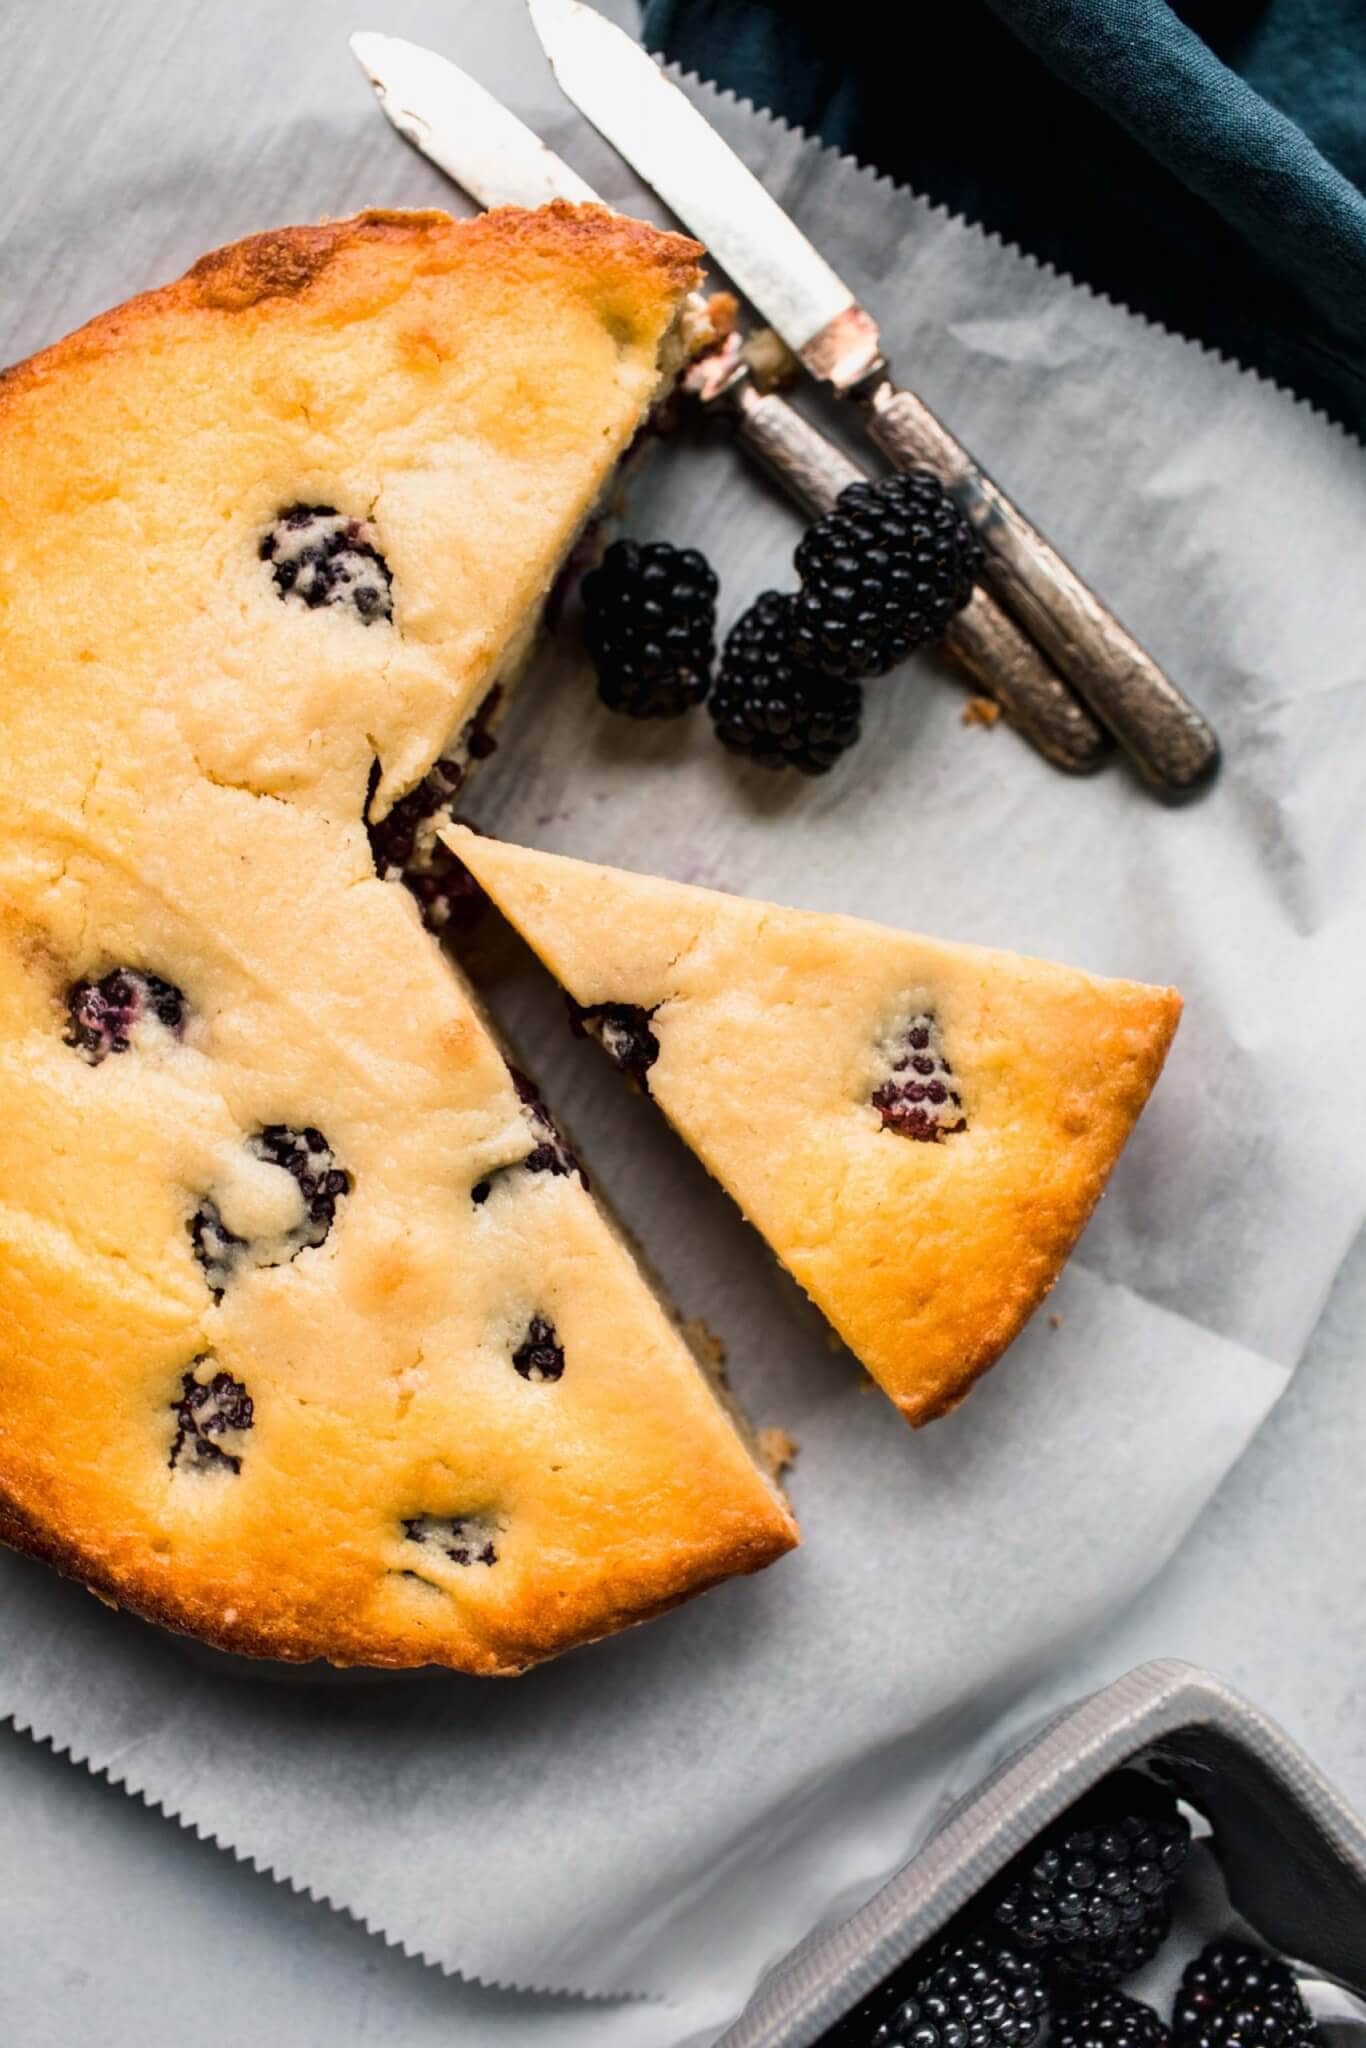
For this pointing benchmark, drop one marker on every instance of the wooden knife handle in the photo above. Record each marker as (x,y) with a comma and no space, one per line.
(1172,745)
(1001,658)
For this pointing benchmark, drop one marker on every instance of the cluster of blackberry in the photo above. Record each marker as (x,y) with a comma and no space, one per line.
(880,575)
(1048,1946)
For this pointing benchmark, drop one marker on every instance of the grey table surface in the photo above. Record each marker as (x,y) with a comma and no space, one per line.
(119,1928)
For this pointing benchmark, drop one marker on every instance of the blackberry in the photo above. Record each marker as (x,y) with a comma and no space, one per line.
(550,1154)
(1095,1892)
(404,843)
(540,1355)
(881,574)
(464,1539)
(767,707)
(207,1409)
(1110,1959)
(217,1248)
(969,1994)
(1237,1996)
(445,891)
(400,836)
(623,1031)
(321,556)
(1107,2019)
(650,623)
(918,1098)
(307,1155)
(103,1015)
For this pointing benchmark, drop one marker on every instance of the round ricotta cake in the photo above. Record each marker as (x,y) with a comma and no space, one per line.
(313,1341)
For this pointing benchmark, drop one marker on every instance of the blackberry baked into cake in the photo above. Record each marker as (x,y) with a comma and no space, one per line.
(312,1339)
(920,1130)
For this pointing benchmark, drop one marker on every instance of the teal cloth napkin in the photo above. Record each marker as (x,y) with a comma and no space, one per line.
(1204,164)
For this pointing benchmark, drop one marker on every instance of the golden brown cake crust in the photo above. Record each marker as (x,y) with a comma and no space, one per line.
(186,757)
(547,1625)
(287,262)
(927,1257)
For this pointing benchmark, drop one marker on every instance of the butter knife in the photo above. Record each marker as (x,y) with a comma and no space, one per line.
(623,92)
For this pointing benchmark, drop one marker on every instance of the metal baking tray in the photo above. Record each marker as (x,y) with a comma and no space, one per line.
(1293,1852)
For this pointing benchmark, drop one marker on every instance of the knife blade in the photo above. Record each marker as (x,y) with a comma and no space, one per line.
(464,130)
(623,92)
(499,161)
(621,89)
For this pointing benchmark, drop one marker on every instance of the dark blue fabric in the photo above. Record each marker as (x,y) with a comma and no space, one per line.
(1205,163)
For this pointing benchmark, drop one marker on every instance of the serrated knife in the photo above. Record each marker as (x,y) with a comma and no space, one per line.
(623,92)
(499,161)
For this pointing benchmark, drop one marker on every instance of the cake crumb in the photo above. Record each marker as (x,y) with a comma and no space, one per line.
(705,1346)
(771,362)
(1056,1320)
(723,315)
(981,711)
(777,1451)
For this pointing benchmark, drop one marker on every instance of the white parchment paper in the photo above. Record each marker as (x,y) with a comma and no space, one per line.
(665,1814)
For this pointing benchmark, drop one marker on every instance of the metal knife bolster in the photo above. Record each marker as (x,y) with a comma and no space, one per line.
(846,352)
(1171,743)
(982,638)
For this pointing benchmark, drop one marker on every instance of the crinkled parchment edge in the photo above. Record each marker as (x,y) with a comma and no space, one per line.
(122,1781)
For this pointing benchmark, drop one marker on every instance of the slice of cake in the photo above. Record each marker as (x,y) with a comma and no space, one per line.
(920,1130)
(312,1340)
